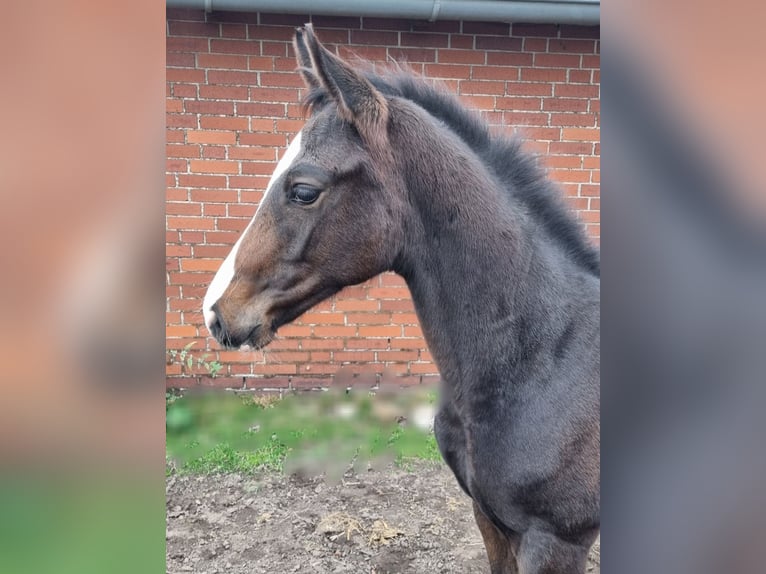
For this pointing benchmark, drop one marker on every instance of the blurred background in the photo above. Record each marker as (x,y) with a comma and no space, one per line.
(82,423)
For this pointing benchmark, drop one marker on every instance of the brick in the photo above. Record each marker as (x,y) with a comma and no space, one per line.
(476,87)
(234,47)
(184,75)
(275,369)
(579,76)
(185,14)
(565,105)
(532,44)
(264,64)
(330,36)
(524,118)
(176,165)
(447,71)
(388,356)
(498,43)
(571,120)
(424,40)
(315,317)
(189,223)
(423,368)
(345,22)
(396,305)
(374,37)
(200,265)
(487,28)
(173,208)
(180,121)
(570,31)
(413,331)
(279,49)
(209,181)
(289,126)
(214,210)
(591,61)
(369,318)
(576,148)
(214,166)
(248,182)
(378,331)
(261,109)
(544,30)
(571,46)
(182,151)
(223,123)
(223,92)
(253,153)
(576,91)
(353,356)
(494,73)
(215,251)
(357,305)
(539,134)
(185,90)
(334,331)
(323,344)
(557,60)
(216,195)
(543,75)
(204,29)
(580,134)
(261,139)
(178,250)
(280,33)
(214,152)
(286,356)
(568,161)
(179,60)
(413,55)
(446,56)
(208,107)
(175,331)
(462,42)
(281,79)
(237,78)
(269,94)
(508,59)
(528,89)
(370,23)
(404,319)
(517,103)
(184,44)
(238,31)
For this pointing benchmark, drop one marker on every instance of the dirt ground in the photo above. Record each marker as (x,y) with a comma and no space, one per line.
(396,521)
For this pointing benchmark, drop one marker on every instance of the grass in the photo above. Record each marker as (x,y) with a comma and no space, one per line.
(321,433)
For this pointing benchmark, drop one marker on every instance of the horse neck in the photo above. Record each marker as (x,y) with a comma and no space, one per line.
(474,266)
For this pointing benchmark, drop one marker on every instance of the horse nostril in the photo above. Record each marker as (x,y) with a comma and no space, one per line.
(217,327)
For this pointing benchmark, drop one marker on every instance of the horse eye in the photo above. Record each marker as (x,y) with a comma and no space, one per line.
(304,194)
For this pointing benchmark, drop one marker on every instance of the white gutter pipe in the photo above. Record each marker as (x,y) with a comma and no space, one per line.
(582,12)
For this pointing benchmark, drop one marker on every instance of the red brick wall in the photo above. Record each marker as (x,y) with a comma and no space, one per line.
(232,103)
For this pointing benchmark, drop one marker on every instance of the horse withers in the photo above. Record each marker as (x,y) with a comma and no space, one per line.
(390,173)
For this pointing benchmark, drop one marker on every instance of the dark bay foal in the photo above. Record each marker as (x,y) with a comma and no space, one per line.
(391,174)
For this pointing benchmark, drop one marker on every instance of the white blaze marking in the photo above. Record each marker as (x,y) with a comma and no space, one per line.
(225,274)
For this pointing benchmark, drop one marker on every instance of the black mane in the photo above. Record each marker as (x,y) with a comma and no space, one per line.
(518,170)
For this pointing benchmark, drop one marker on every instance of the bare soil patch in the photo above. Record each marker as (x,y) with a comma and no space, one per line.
(378,522)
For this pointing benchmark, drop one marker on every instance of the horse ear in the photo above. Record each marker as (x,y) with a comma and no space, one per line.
(304,60)
(358,100)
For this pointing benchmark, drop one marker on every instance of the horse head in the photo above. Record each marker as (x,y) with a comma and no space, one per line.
(328,218)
